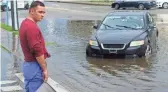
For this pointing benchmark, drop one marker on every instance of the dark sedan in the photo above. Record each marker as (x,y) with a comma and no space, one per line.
(124,33)
(140,4)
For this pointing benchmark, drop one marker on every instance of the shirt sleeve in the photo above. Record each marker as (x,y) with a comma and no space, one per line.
(34,41)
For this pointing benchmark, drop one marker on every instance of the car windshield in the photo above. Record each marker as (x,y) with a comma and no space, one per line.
(123,22)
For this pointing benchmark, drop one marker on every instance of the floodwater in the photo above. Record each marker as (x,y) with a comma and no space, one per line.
(66,41)
(70,67)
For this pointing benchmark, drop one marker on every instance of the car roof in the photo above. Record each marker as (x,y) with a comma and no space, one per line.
(128,13)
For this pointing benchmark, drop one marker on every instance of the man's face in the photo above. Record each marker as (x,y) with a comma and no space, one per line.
(38,13)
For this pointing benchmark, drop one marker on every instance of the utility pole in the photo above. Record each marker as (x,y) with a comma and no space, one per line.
(7,13)
(14,15)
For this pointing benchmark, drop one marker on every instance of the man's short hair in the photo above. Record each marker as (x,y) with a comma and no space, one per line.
(36,3)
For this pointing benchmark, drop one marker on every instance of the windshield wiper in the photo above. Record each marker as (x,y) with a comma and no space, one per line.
(111,27)
(126,27)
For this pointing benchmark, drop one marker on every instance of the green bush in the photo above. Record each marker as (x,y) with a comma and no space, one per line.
(9,28)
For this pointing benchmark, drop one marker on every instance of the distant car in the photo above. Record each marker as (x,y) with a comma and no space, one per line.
(124,33)
(162,4)
(140,4)
(20,4)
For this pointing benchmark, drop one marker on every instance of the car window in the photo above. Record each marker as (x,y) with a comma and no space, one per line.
(123,22)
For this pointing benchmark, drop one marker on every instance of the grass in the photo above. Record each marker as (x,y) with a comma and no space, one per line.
(9,29)
(50,43)
(16,32)
(5,48)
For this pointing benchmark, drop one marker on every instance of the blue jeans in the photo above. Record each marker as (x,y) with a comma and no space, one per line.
(33,77)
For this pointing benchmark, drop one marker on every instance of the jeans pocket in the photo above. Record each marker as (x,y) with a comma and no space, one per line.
(30,70)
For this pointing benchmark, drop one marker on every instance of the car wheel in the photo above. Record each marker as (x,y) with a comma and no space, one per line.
(141,7)
(165,5)
(26,6)
(147,52)
(4,8)
(117,6)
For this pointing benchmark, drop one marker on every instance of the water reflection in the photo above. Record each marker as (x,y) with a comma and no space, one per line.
(116,66)
(16,57)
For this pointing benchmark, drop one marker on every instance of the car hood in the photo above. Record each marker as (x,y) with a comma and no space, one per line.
(117,36)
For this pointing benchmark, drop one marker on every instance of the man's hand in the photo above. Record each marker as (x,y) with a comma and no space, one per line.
(45,75)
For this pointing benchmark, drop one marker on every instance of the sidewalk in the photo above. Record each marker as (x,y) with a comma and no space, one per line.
(10,43)
(8,81)
(97,3)
(10,64)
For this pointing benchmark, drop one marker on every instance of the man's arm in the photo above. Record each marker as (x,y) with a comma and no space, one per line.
(42,62)
(43,65)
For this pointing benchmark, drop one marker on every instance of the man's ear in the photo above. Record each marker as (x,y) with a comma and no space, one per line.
(31,11)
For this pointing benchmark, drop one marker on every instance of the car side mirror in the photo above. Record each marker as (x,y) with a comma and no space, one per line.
(95,26)
(152,26)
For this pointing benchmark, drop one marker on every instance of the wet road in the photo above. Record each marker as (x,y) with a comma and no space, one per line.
(69,66)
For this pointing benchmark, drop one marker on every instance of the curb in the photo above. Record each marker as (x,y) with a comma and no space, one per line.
(84,3)
(53,84)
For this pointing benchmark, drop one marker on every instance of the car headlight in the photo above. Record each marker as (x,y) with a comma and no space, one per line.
(137,43)
(93,43)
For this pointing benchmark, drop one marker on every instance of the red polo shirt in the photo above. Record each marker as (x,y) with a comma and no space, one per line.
(32,41)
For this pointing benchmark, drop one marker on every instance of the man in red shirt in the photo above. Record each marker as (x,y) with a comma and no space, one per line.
(33,47)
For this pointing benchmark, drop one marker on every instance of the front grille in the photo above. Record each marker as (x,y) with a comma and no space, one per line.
(114,46)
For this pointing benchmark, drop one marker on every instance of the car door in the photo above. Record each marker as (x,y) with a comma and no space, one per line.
(126,3)
(134,3)
(152,31)
(122,3)
(130,3)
